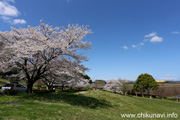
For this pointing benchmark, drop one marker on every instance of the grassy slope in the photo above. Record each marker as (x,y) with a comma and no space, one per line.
(90,105)
(3,82)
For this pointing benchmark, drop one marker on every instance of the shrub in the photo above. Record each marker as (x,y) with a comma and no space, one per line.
(171,98)
(131,92)
(10,92)
(160,97)
(85,89)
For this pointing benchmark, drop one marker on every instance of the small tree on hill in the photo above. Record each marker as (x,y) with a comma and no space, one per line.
(145,82)
(99,84)
(125,88)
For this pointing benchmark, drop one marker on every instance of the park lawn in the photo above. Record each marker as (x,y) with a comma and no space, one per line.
(85,105)
(3,82)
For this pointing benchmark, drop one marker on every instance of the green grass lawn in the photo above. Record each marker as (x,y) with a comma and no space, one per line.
(86,105)
(3,82)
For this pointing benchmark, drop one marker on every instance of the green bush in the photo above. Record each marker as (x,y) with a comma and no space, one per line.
(171,98)
(85,89)
(158,97)
(131,92)
(10,92)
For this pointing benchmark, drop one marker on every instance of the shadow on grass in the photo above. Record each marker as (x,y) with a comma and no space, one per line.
(69,98)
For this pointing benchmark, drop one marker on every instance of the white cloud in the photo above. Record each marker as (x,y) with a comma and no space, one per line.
(175,32)
(8,10)
(134,46)
(141,43)
(125,47)
(145,40)
(156,39)
(5,18)
(19,21)
(9,1)
(138,45)
(151,35)
(167,77)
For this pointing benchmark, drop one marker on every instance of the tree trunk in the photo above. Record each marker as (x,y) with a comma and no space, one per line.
(149,92)
(62,87)
(115,90)
(29,87)
(177,99)
(50,87)
(142,94)
(150,96)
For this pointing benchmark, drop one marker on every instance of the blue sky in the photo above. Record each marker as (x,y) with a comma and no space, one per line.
(129,37)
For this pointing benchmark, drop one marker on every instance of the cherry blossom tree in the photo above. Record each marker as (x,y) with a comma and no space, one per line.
(65,74)
(84,83)
(113,85)
(38,51)
(64,80)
